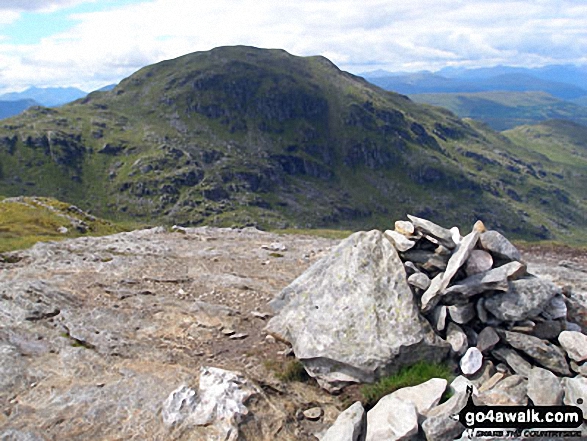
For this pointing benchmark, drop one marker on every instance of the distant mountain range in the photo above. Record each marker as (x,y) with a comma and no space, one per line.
(46,96)
(245,136)
(14,103)
(500,96)
(564,82)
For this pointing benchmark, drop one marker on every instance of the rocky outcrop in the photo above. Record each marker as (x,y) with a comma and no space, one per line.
(339,313)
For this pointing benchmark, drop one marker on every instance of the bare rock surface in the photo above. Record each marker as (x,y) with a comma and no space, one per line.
(96,334)
(109,338)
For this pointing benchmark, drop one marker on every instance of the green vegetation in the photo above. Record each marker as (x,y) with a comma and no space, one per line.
(505,110)
(239,136)
(25,221)
(406,377)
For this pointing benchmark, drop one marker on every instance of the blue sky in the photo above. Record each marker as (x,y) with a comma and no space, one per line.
(91,43)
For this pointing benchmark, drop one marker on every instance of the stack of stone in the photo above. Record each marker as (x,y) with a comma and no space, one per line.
(477,295)
(381,301)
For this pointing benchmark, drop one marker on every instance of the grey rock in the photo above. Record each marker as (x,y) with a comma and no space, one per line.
(487,339)
(404,227)
(457,338)
(544,352)
(525,298)
(575,390)
(348,426)
(481,377)
(438,318)
(499,246)
(428,260)
(459,257)
(548,329)
(392,419)
(581,369)
(356,294)
(399,241)
(180,404)
(577,311)
(471,362)
(492,381)
(411,268)
(479,261)
(424,396)
(419,280)
(495,279)
(431,296)
(514,360)
(544,388)
(440,424)
(570,326)
(313,413)
(556,308)
(575,344)
(481,311)
(511,391)
(443,235)
(462,314)
(219,405)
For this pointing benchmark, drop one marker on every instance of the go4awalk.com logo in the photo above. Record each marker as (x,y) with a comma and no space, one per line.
(520,421)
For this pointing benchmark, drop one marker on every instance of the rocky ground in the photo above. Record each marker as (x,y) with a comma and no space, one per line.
(97,333)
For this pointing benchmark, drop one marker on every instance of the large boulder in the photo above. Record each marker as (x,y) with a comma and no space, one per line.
(352,317)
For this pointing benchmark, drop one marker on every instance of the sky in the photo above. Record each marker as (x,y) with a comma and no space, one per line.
(92,43)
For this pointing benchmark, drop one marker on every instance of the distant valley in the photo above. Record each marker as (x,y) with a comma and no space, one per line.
(245,136)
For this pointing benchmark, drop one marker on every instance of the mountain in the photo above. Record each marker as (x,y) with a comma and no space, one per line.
(246,136)
(569,74)
(504,110)
(11,108)
(427,82)
(46,96)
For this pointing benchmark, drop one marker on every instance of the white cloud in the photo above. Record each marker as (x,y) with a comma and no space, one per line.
(358,36)
(39,5)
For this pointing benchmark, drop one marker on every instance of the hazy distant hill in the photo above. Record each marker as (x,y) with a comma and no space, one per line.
(244,136)
(426,82)
(46,96)
(504,110)
(11,108)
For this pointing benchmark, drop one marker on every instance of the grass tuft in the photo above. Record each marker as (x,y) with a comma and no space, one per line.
(406,377)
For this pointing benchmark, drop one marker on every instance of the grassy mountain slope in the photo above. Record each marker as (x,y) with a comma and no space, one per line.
(504,110)
(239,135)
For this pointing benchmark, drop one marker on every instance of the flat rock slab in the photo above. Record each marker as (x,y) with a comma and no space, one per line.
(348,426)
(525,298)
(392,419)
(351,317)
(544,388)
(545,353)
